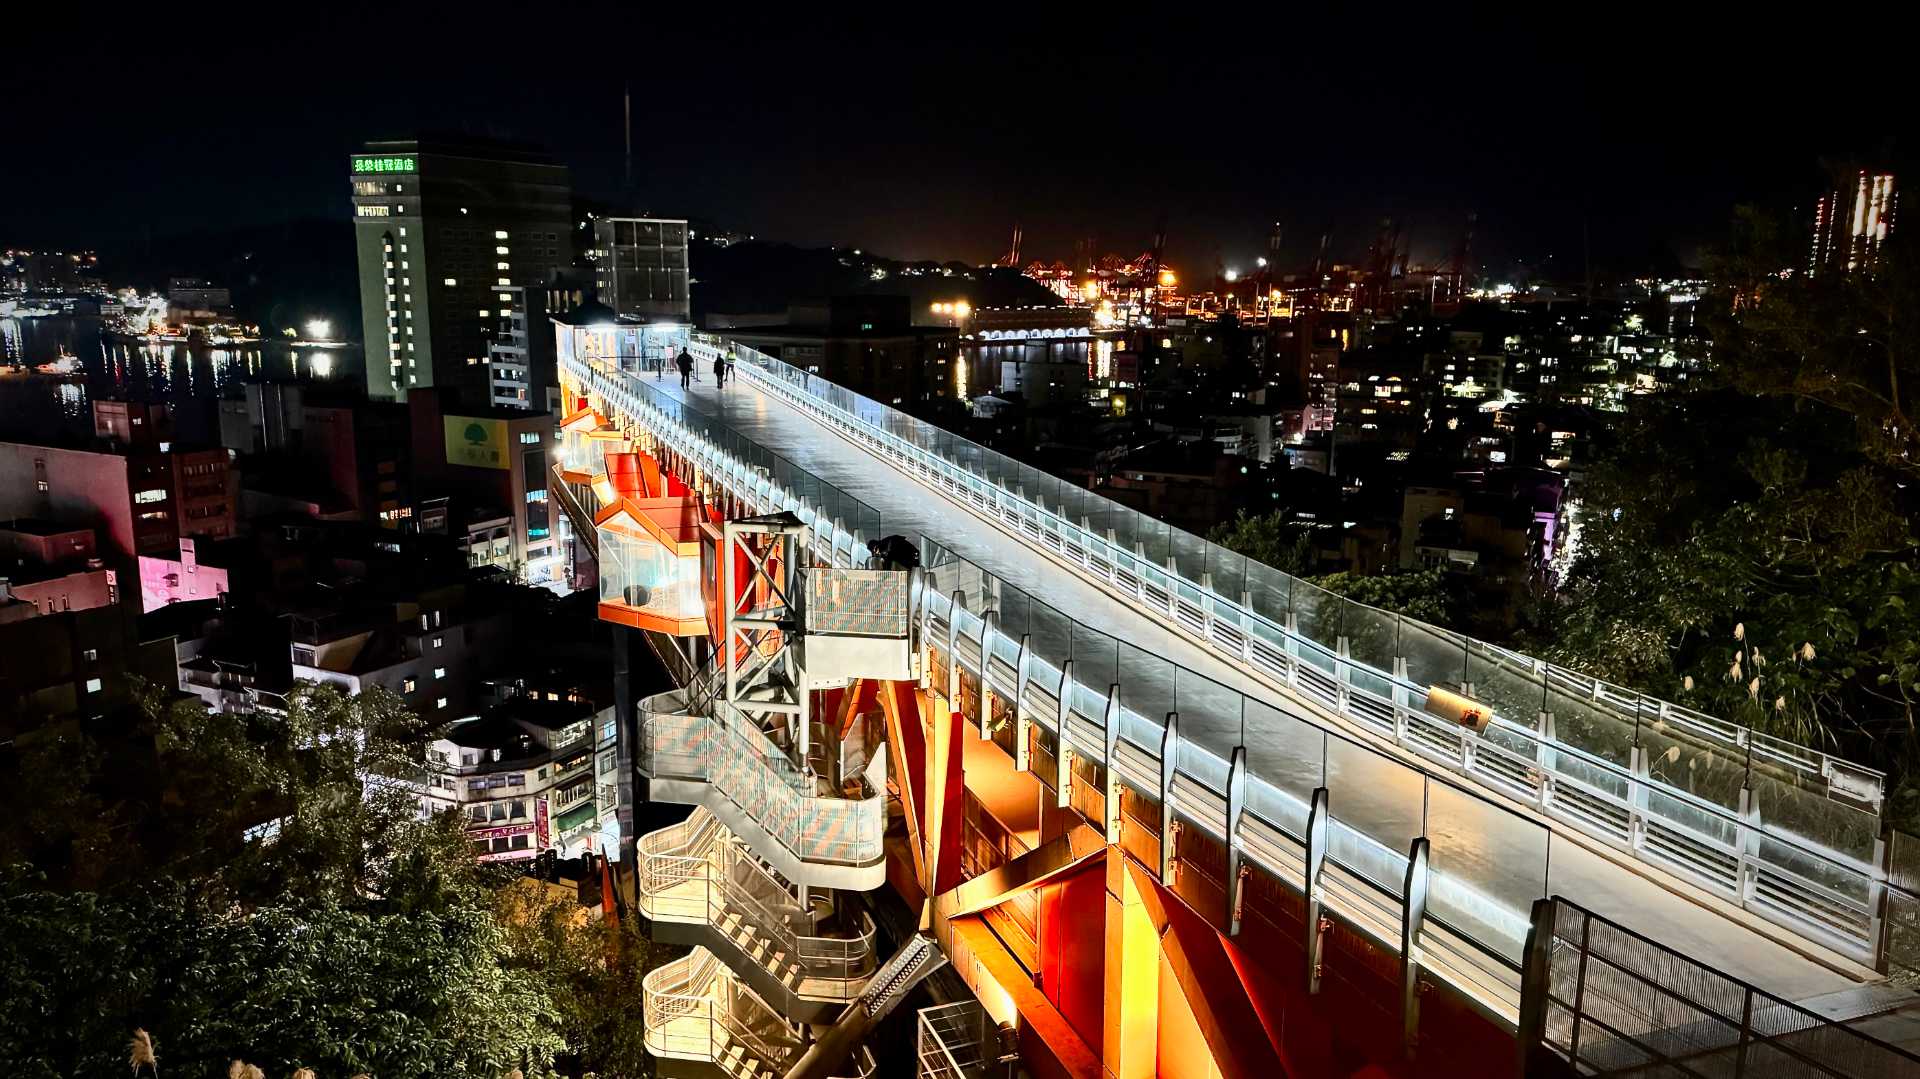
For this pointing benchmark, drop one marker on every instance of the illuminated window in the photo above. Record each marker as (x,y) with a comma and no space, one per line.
(439,673)
(499,250)
(93,685)
(440,703)
(499,265)
(409,685)
(450,281)
(500,234)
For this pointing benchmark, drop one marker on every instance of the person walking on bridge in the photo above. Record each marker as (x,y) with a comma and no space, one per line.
(684,361)
(719,369)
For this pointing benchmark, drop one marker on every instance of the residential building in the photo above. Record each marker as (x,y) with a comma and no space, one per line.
(520,357)
(430,649)
(489,464)
(1852,221)
(141,493)
(440,224)
(180,579)
(72,663)
(535,772)
(364,450)
(47,568)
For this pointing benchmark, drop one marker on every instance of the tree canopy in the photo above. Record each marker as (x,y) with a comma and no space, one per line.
(350,934)
(1749,547)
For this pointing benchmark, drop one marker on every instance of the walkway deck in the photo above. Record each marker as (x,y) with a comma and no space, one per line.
(1632,893)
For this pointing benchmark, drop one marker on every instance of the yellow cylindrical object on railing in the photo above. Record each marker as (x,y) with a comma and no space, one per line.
(1465,711)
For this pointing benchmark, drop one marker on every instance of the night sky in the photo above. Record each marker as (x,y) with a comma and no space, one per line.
(928,136)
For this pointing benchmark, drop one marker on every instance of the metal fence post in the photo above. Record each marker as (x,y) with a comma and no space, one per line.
(1315,862)
(1022,726)
(1169,762)
(1062,751)
(1413,917)
(1535,983)
(1236,861)
(1111,799)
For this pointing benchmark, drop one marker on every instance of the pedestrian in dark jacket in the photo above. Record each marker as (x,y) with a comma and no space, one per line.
(719,369)
(684,361)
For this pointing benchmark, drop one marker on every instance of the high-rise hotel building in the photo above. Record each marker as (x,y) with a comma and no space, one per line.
(447,230)
(1851,221)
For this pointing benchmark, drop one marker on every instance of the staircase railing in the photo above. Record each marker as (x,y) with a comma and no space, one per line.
(730,752)
(701,852)
(695,1010)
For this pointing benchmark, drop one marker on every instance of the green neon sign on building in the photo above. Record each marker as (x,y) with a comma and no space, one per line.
(363,163)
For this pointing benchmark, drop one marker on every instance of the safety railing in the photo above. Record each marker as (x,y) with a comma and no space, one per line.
(696,1010)
(695,872)
(1488,863)
(1762,822)
(1607,1001)
(728,752)
(1900,929)
(956,1041)
(1482,865)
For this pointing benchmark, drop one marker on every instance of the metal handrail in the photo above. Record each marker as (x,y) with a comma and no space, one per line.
(1399,697)
(1549,752)
(686,986)
(783,378)
(745,770)
(700,849)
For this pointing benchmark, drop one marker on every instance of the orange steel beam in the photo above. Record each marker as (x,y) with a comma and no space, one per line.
(946,806)
(907,745)
(1210,983)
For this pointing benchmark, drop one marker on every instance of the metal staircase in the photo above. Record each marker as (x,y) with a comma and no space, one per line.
(700,885)
(702,1022)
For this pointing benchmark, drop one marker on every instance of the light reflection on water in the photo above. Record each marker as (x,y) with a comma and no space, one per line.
(190,378)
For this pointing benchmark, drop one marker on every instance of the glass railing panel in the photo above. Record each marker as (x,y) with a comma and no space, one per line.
(1373,636)
(1717,829)
(1289,755)
(1434,657)
(1148,683)
(1517,694)
(1271,592)
(1228,571)
(1708,771)
(1317,614)
(1208,709)
(1787,799)
(1846,890)
(1489,865)
(1582,720)
(1189,555)
(1377,797)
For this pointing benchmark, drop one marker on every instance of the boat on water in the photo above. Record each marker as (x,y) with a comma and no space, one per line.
(63,365)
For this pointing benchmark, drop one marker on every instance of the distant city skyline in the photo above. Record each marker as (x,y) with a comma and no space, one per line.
(1625,145)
